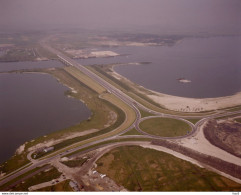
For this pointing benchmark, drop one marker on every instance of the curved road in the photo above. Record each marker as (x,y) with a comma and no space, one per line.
(125,98)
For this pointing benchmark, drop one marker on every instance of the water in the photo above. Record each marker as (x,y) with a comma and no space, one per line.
(33,105)
(212,64)
(9,66)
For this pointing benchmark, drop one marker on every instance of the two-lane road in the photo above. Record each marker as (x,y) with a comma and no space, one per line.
(122,96)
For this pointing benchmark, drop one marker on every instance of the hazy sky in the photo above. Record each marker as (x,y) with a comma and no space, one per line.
(153,15)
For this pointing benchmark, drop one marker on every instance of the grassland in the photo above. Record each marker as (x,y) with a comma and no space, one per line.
(41,177)
(15,162)
(4,186)
(139,169)
(165,127)
(75,163)
(95,146)
(145,113)
(85,79)
(232,109)
(60,187)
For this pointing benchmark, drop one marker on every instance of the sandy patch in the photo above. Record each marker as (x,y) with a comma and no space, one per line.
(20,149)
(6,45)
(195,104)
(77,53)
(73,90)
(116,75)
(114,43)
(41,59)
(111,119)
(99,54)
(183,80)
(2,175)
(199,143)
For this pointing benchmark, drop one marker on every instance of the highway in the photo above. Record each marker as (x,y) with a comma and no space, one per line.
(126,99)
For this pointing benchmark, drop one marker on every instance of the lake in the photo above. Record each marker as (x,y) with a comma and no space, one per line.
(212,64)
(33,105)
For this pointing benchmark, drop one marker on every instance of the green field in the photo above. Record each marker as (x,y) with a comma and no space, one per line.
(75,163)
(41,177)
(139,169)
(165,127)
(145,113)
(4,186)
(60,187)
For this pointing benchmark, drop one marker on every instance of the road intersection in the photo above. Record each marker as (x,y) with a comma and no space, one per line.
(135,105)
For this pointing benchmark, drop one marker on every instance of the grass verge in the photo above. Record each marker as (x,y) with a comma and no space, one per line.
(41,177)
(16,179)
(75,163)
(95,146)
(142,169)
(60,187)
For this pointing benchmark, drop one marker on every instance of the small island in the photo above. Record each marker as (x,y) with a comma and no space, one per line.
(184,80)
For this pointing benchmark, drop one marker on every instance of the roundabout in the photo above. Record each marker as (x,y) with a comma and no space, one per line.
(165,127)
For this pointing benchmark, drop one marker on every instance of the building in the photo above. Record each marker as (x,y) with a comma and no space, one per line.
(49,149)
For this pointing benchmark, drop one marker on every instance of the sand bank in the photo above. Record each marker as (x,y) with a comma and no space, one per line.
(195,104)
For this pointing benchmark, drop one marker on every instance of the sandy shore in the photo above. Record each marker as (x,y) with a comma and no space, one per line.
(195,104)
(182,104)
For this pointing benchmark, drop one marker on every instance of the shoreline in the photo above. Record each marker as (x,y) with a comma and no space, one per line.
(178,103)
(185,104)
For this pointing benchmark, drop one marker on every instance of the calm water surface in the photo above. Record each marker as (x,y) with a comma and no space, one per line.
(33,105)
(212,64)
